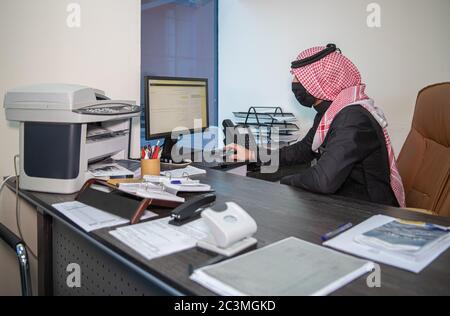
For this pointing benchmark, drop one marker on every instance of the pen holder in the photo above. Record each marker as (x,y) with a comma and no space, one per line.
(150,167)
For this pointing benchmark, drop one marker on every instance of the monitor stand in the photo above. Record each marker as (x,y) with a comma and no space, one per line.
(166,156)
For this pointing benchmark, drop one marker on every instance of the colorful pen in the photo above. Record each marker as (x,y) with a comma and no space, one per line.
(156,151)
(336,232)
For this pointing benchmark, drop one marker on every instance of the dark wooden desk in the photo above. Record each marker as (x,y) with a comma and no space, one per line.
(280,211)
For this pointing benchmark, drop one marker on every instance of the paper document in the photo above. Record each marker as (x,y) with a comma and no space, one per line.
(290,267)
(94,131)
(109,170)
(176,185)
(158,238)
(184,172)
(359,242)
(131,165)
(150,191)
(90,218)
(157,179)
(186,187)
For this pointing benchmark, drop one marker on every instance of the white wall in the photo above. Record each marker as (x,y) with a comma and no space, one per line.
(259,38)
(37,46)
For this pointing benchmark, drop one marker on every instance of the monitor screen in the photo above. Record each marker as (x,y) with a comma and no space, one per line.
(174,104)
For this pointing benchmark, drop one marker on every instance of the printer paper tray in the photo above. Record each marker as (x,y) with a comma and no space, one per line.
(107,147)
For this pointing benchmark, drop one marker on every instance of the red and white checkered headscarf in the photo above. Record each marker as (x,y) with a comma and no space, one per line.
(335,78)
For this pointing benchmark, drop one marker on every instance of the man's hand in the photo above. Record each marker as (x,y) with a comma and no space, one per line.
(242,154)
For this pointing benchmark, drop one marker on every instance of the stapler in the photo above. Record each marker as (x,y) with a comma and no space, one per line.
(231,229)
(191,210)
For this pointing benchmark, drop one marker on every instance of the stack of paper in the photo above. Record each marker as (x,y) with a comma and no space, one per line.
(289,267)
(132,165)
(106,171)
(158,238)
(386,240)
(95,131)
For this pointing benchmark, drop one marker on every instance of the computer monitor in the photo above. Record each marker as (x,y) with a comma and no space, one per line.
(174,103)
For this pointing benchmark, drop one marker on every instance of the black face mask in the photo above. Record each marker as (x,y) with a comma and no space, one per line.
(302,95)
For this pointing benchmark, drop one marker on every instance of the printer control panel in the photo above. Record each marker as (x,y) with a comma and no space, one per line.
(113,109)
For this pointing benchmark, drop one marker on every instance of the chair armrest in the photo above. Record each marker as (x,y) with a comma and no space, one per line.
(9,237)
(19,248)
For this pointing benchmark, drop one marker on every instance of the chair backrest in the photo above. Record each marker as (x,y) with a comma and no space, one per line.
(424,162)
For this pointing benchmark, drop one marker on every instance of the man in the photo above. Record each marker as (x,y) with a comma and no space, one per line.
(348,138)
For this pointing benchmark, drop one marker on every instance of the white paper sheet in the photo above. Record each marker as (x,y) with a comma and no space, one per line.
(90,218)
(191,187)
(158,238)
(185,185)
(180,173)
(346,242)
(150,191)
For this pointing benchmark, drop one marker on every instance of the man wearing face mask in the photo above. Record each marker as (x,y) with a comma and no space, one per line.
(348,138)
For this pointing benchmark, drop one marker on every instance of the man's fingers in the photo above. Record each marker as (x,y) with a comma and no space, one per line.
(240,152)
(231,147)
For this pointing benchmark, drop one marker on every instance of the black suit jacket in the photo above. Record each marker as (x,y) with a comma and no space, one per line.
(353,160)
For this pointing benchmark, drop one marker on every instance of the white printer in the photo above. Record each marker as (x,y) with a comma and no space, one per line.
(63,129)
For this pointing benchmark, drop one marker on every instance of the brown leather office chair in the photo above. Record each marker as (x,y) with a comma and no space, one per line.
(424,162)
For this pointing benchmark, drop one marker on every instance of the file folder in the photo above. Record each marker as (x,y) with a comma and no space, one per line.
(118,202)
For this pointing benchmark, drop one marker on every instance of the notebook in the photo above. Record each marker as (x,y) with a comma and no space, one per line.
(406,239)
(291,267)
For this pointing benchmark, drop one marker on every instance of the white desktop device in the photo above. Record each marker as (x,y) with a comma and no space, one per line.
(231,228)
(63,129)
